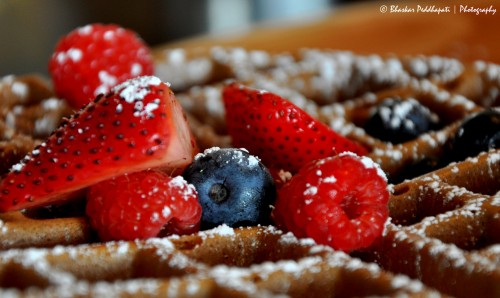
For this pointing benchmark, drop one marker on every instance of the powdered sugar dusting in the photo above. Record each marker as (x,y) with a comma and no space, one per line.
(136,69)
(166,212)
(20,89)
(85,30)
(206,152)
(234,155)
(398,116)
(107,81)
(222,230)
(311,190)
(494,158)
(135,89)
(179,183)
(368,163)
(181,71)
(496,200)
(73,54)
(3,227)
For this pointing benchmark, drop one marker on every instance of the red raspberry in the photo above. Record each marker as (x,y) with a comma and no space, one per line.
(339,201)
(140,205)
(92,59)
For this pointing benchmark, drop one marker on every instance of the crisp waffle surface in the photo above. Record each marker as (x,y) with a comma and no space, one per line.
(223,262)
(442,238)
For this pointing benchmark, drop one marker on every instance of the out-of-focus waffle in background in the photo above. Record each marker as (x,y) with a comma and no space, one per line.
(460,29)
(30,28)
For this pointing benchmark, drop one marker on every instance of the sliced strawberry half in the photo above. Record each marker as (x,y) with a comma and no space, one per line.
(138,125)
(280,133)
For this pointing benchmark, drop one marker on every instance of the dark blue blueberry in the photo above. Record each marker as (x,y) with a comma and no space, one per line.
(397,121)
(479,132)
(234,188)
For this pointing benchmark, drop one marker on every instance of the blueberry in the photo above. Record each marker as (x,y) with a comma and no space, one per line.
(477,133)
(234,188)
(397,121)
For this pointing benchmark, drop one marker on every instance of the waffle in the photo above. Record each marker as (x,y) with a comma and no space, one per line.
(441,238)
(29,113)
(446,225)
(223,262)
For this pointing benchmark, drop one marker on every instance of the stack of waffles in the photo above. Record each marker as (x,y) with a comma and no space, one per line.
(441,239)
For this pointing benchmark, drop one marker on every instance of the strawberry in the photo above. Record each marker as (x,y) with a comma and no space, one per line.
(340,201)
(138,125)
(141,205)
(91,59)
(280,133)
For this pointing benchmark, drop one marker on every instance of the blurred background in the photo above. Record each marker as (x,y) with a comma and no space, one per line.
(29,29)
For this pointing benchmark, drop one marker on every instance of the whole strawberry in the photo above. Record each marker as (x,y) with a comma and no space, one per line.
(280,133)
(137,126)
(339,201)
(142,205)
(92,59)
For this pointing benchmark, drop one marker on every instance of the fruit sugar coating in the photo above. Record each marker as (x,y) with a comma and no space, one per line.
(339,201)
(142,205)
(277,131)
(138,125)
(235,188)
(92,59)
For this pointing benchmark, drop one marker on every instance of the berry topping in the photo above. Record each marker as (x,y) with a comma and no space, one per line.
(234,187)
(339,201)
(142,205)
(92,59)
(138,125)
(479,132)
(280,133)
(397,121)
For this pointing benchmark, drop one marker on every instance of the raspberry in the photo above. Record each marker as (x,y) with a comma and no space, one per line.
(92,59)
(140,205)
(339,201)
